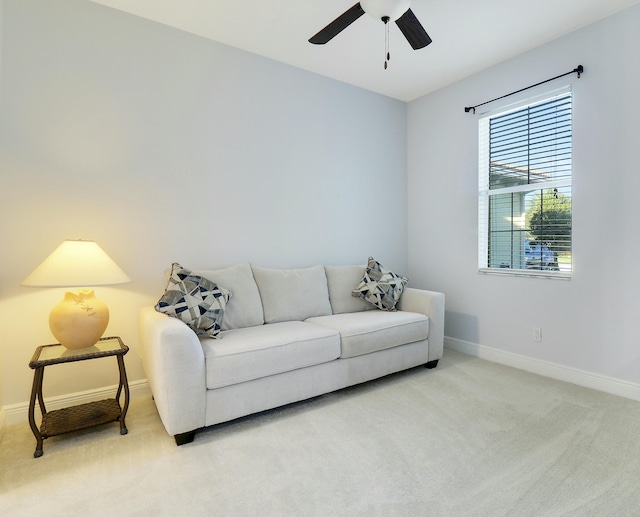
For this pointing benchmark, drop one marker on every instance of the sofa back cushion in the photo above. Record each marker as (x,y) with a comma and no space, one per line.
(244,309)
(292,294)
(342,280)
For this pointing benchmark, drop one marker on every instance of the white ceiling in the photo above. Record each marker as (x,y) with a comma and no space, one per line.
(468,35)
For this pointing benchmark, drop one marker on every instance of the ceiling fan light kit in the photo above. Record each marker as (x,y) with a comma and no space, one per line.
(391,9)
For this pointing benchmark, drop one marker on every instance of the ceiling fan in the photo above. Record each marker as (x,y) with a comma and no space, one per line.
(385,10)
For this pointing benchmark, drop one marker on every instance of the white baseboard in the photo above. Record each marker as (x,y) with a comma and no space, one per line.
(583,378)
(19,413)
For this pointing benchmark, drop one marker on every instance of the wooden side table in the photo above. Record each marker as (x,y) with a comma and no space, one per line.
(83,416)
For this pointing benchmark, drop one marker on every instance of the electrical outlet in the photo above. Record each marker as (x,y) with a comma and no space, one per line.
(537,334)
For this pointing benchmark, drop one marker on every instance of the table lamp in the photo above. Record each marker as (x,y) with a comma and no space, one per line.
(80,319)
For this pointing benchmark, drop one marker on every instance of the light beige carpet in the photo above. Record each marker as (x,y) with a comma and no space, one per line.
(470,438)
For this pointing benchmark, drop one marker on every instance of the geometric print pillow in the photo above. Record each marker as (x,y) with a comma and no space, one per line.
(380,287)
(197,301)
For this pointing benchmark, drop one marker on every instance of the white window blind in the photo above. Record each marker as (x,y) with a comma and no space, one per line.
(525,188)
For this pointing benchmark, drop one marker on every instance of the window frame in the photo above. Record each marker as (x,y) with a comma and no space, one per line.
(485,192)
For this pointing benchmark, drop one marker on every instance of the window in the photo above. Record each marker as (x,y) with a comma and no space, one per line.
(525,189)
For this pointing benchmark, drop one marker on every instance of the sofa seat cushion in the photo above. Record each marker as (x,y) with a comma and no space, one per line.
(369,331)
(253,352)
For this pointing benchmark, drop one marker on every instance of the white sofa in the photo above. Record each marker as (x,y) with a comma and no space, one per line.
(287,335)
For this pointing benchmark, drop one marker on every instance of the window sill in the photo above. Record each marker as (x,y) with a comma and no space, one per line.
(527,273)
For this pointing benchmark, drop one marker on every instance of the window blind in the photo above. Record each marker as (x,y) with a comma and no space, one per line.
(525,187)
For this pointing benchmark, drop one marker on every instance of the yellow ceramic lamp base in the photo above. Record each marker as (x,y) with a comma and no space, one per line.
(79,320)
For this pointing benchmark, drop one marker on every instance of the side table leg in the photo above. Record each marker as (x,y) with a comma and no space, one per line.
(125,385)
(36,390)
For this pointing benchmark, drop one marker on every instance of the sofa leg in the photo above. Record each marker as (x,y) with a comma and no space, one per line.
(183,438)
(431,364)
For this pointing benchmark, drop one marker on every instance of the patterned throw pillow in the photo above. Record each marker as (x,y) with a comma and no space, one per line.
(197,301)
(380,287)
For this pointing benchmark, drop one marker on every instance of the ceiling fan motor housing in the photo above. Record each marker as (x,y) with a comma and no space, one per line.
(380,9)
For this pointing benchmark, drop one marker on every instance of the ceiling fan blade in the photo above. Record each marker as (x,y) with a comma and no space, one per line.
(413,30)
(337,25)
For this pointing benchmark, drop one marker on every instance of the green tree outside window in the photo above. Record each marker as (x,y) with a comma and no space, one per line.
(548,219)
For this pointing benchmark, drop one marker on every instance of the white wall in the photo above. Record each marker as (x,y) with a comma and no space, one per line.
(590,322)
(164,146)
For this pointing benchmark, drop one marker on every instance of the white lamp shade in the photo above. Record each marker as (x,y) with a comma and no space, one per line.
(77,263)
(394,9)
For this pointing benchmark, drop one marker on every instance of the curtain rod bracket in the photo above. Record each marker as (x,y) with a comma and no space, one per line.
(578,70)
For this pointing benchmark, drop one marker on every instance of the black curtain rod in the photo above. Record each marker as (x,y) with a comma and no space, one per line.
(578,70)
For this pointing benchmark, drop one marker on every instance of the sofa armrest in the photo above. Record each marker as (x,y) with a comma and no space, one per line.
(431,304)
(174,364)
